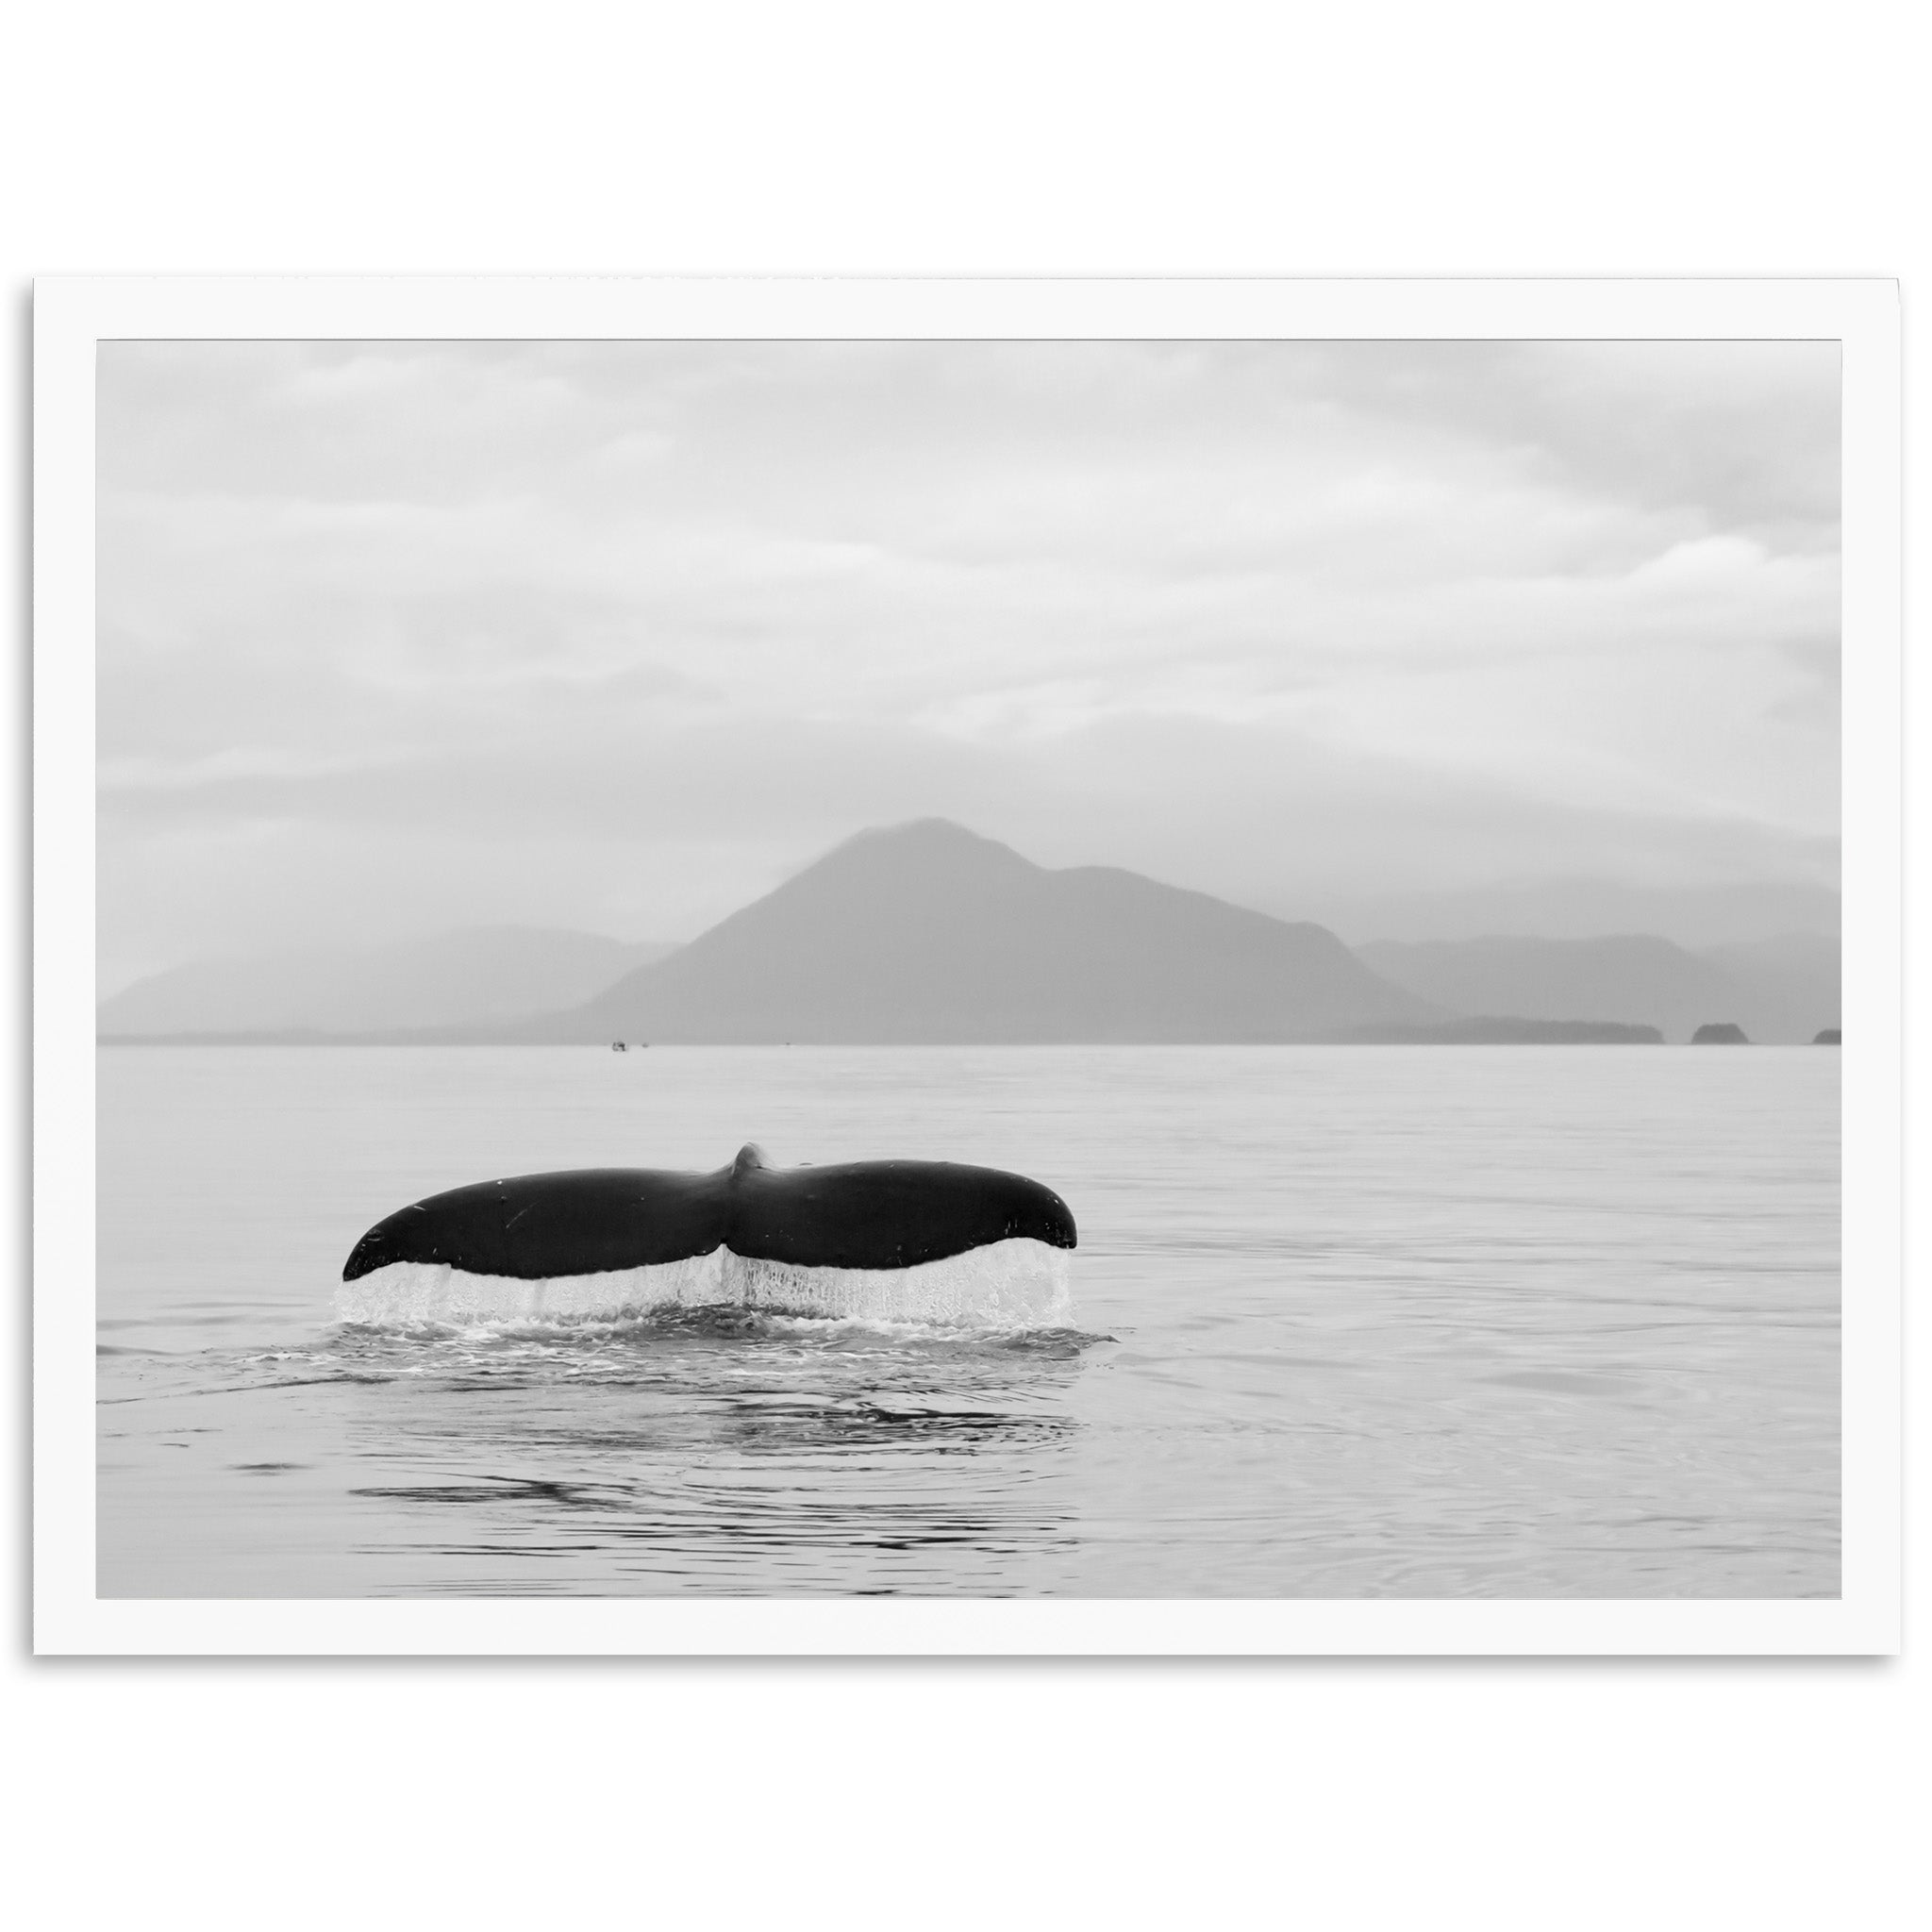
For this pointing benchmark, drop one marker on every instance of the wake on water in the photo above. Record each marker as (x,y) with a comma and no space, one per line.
(1017,1284)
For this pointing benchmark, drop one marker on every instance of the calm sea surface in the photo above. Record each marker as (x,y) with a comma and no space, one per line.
(1346,1322)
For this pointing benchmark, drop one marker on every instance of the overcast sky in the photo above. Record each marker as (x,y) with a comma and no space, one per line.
(616,636)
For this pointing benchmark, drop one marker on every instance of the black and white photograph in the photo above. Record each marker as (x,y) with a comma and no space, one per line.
(1185,970)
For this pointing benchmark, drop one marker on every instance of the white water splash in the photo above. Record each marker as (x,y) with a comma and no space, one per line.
(1010,1284)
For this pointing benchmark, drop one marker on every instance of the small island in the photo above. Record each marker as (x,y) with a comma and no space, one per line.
(1828,1038)
(1721,1033)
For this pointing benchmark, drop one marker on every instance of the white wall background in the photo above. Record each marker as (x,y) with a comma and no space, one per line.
(1682,137)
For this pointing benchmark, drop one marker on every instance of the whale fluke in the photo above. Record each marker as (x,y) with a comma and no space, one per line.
(862,1215)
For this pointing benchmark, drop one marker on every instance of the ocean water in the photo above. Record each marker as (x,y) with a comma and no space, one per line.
(1373,1322)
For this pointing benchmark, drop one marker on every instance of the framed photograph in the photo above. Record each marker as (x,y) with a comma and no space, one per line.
(989,967)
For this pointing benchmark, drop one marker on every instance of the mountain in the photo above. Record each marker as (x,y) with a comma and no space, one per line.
(928,933)
(471,977)
(1776,990)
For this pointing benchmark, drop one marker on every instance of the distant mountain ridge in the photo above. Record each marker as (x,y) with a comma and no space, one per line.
(928,933)
(1699,918)
(476,976)
(1781,990)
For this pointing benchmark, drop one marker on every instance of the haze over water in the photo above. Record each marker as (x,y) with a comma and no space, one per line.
(1345,1322)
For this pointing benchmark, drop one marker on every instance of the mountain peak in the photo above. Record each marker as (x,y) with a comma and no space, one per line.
(927,835)
(931,853)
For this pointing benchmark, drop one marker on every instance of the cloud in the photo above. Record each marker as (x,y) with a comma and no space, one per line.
(1745,434)
(612,634)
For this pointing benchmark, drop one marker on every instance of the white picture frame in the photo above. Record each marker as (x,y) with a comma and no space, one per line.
(72,316)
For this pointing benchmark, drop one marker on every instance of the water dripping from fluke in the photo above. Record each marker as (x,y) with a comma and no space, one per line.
(1016,1284)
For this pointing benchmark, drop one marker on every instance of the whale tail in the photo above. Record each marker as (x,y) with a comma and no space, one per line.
(854,1236)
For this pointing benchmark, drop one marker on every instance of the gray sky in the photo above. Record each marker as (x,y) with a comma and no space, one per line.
(616,636)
